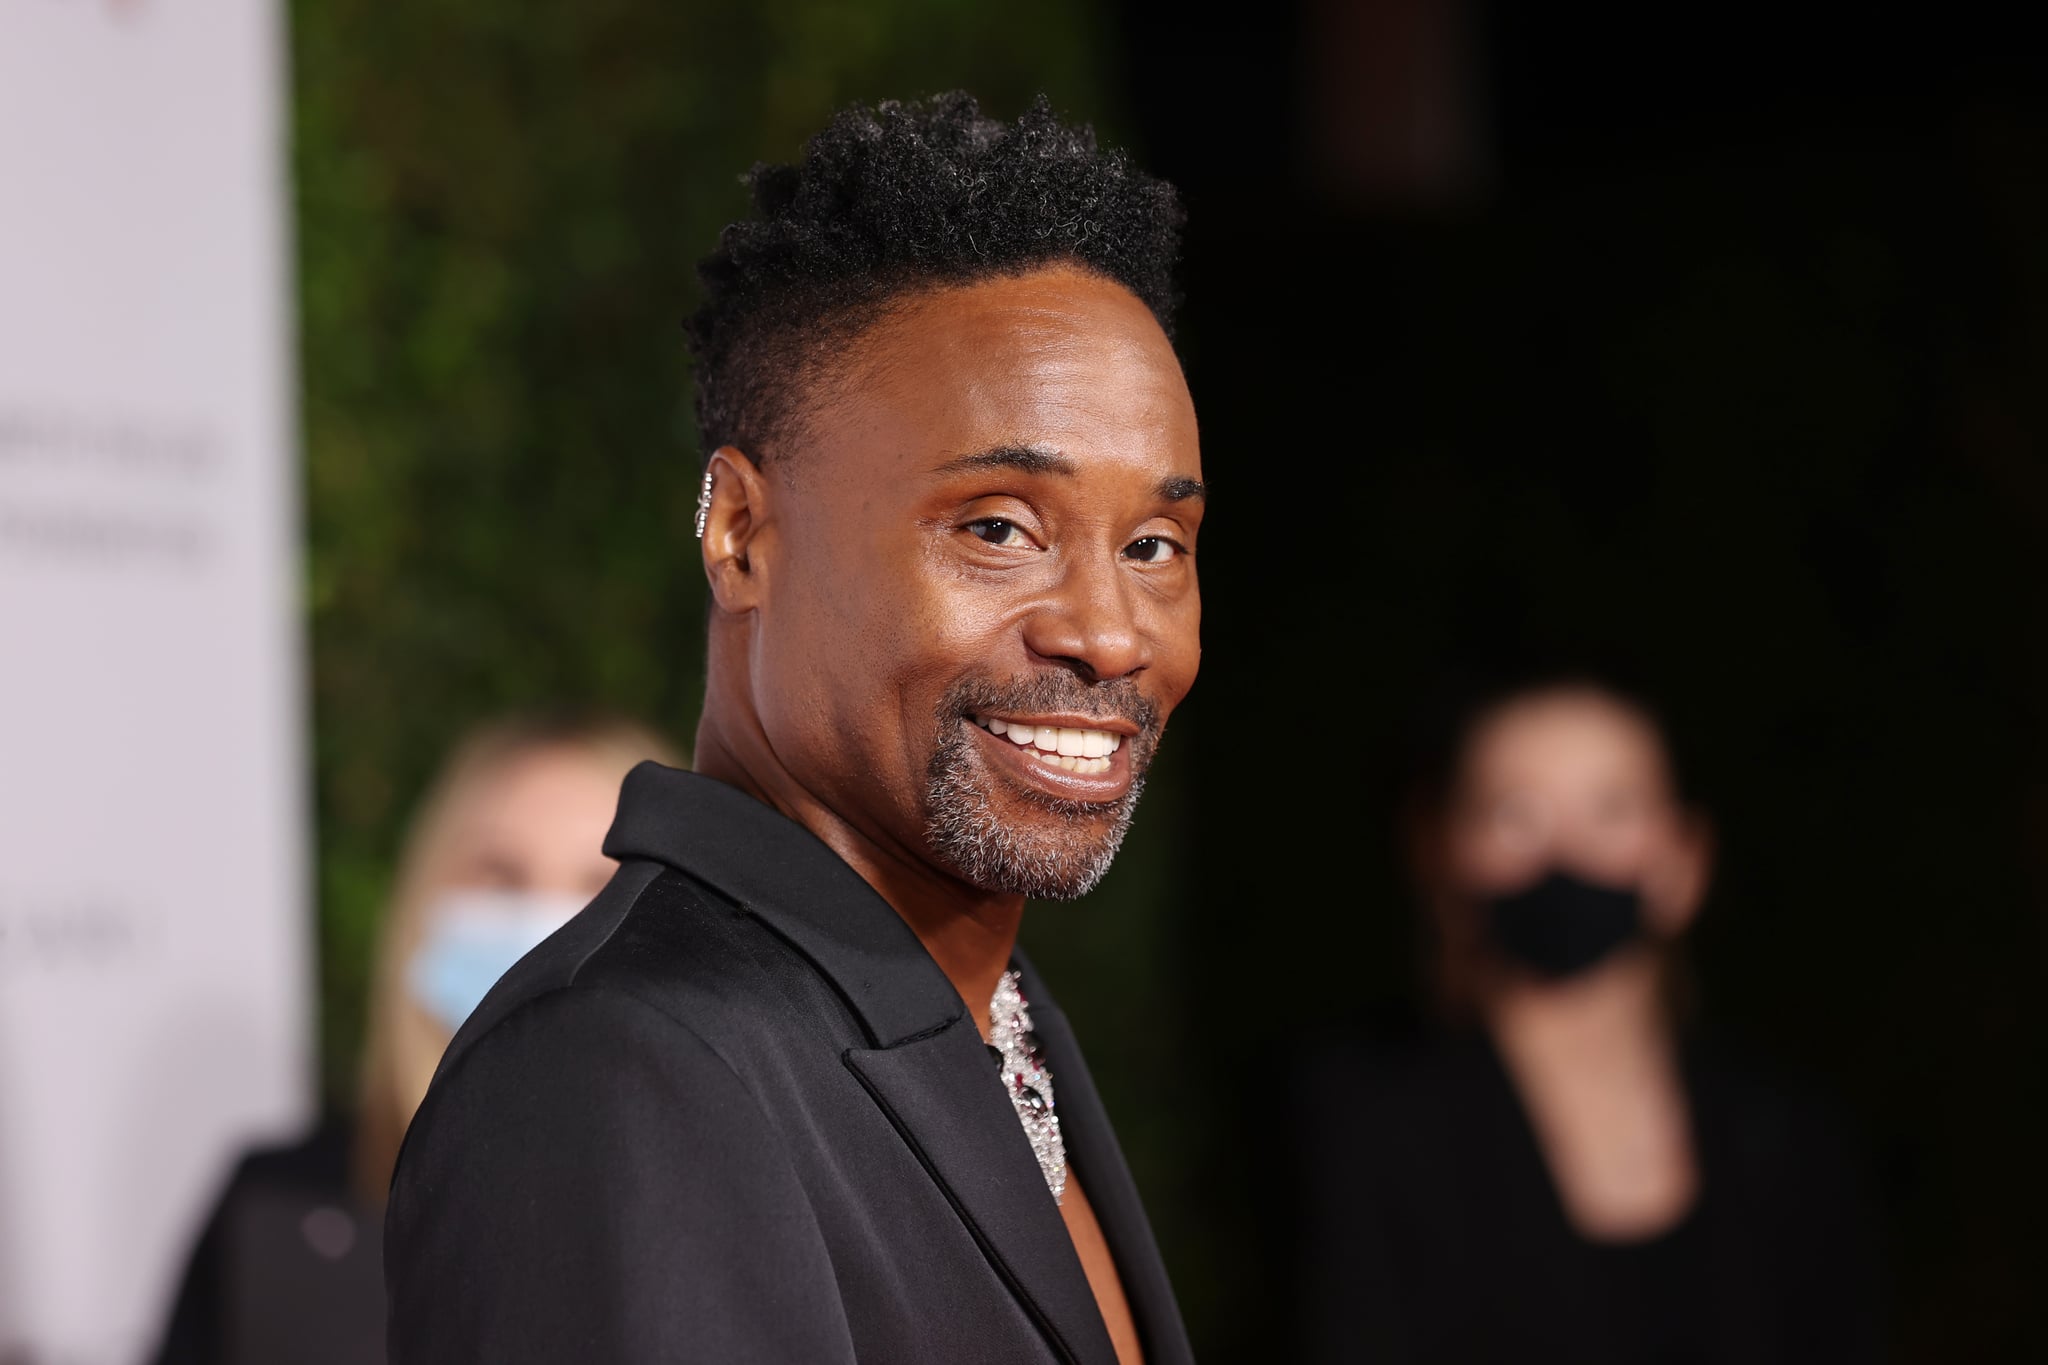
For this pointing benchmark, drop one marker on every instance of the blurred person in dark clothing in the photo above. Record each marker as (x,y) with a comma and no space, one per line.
(787,1091)
(1566,1175)
(505,848)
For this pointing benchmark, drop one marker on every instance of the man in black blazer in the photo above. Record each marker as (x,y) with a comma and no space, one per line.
(786,1091)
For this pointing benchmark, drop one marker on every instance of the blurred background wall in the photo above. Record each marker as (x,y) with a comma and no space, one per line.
(155,1007)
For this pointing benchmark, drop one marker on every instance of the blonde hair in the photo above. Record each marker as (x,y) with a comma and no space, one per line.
(404,1043)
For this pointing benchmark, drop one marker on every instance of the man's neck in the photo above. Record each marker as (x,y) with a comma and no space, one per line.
(970,933)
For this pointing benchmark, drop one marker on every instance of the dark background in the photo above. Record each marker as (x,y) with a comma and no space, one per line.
(1710,352)
(1702,346)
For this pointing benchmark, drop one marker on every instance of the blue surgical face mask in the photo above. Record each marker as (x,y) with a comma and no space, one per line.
(473,938)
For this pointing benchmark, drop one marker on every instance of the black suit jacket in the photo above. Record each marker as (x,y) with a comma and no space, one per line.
(734,1112)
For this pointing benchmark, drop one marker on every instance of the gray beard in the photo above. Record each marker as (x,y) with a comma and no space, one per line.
(1058,859)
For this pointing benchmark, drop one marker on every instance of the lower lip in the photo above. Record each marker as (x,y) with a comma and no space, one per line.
(1017,759)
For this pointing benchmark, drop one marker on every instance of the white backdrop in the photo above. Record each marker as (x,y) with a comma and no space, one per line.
(154,983)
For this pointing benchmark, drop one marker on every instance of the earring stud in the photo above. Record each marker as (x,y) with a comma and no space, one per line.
(703,504)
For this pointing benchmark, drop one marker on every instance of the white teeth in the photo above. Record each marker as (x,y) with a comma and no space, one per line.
(1068,749)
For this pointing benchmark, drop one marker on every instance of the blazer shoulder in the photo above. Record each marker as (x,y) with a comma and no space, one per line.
(591,1182)
(675,933)
(590,1037)
(689,954)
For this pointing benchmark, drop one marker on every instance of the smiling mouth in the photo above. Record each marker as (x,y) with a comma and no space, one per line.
(1083,752)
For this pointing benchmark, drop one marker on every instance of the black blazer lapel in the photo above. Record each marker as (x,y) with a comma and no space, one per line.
(929,1070)
(942,1094)
(1093,1152)
(785,876)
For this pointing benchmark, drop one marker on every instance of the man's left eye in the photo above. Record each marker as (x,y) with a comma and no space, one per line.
(996,531)
(1151,550)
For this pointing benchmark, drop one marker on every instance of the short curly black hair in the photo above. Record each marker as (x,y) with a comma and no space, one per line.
(892,200)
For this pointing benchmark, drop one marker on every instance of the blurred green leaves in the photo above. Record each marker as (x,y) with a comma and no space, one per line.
(499,213)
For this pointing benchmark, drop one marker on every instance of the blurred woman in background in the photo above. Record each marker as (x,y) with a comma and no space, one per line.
(505,848)
(1562,1175)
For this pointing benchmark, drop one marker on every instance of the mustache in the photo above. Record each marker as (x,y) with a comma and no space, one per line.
(1119,699)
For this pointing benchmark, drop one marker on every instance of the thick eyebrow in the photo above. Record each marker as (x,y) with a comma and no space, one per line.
(1025,459)
(1032,460)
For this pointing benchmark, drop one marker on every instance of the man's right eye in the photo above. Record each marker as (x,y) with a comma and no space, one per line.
(996,531)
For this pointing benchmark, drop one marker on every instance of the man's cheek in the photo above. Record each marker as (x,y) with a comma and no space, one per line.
(932,632)
(968,621)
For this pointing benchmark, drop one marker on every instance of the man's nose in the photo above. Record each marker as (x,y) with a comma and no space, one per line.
(1090,623)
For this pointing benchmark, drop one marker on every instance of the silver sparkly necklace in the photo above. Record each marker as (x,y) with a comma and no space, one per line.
(1026,1081)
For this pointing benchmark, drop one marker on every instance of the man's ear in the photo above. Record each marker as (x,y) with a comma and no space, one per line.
(738,530)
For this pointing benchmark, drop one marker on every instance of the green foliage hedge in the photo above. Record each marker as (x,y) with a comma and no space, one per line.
(499,212)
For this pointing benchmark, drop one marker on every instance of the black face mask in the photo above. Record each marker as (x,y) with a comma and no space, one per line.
(1563,925)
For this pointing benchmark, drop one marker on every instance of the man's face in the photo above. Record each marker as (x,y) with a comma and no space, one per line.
(981,604)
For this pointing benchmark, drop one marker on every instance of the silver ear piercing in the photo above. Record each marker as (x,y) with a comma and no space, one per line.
(703,504)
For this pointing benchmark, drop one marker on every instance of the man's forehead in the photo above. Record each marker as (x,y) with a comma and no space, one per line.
(1055,370)
(1045,300)
(1056,323)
